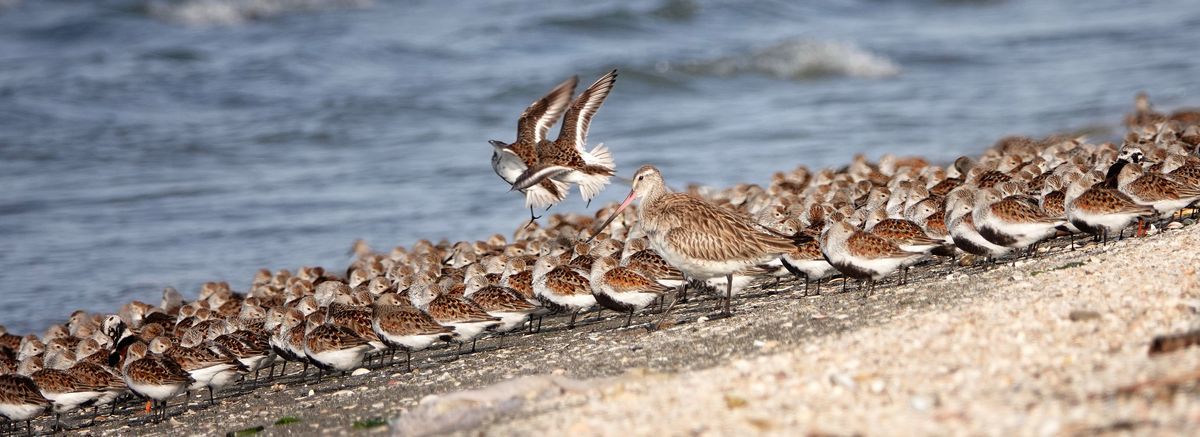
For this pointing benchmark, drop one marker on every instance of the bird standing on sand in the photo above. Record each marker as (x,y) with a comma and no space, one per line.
(701,239)
(510,160)
(862,255)
(20,399)
(567,159)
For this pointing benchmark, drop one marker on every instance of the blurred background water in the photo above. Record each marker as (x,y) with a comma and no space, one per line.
(153,143)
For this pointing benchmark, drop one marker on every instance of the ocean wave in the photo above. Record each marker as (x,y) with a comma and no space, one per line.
(626,18)
(794,60)
(230,12)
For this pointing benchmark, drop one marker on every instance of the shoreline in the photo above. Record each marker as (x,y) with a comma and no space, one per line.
(598,376)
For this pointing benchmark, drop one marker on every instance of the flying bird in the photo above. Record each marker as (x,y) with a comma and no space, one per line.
(511,160)
(567,159)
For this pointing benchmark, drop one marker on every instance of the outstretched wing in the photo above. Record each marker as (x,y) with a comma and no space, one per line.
(543,113)
(575,124)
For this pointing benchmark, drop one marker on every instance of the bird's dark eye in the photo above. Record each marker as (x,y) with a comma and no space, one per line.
(641,177)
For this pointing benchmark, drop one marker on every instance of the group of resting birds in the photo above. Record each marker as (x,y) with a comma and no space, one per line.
(864,221)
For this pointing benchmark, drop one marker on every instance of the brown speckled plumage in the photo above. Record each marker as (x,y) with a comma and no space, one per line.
(96,375)
(902,231)
(649,263)
(990,178)
(59,381)
(154,369)
(868,245)
(1014,209)
(450,309)
(20,390)
(1054,203)
(356,319)
(194,358)
(497,299)
(626,280)
(404,321)
(522,283)
(935,224)
(1101,200)
(1153,187)
(1188,174)
(331,337)
(565,281)
(566,150)
(942,188)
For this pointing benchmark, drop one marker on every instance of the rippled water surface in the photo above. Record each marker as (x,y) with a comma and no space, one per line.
(154,143)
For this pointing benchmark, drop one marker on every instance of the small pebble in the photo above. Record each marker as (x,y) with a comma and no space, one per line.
(1175,225)
(359,371)
(921,403)
(842,380)
(1082,315)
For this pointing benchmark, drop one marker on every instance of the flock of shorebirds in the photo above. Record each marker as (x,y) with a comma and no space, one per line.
(863,222)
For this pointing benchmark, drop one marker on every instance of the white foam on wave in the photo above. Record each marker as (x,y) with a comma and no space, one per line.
(795,59)
(230,12)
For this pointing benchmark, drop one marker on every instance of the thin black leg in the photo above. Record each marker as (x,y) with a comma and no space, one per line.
(532,218)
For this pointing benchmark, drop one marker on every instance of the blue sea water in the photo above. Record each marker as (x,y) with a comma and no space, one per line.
(147,143)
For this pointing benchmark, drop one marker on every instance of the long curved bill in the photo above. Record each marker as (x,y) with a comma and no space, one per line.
(612,217)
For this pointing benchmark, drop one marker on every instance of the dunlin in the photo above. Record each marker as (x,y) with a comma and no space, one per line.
(907,235)
(332,347)
(20,399)
(468,319)
(567,158)
(1014,221)
(806,260)
(862,255)
(623,289)
(65,391)
(510,160)
(102,377)
(652,265)
(561,285)
(1100,209)
(206,368)
(401,325)
(1165,194)
(960,205)
(501,302)
(152,376)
